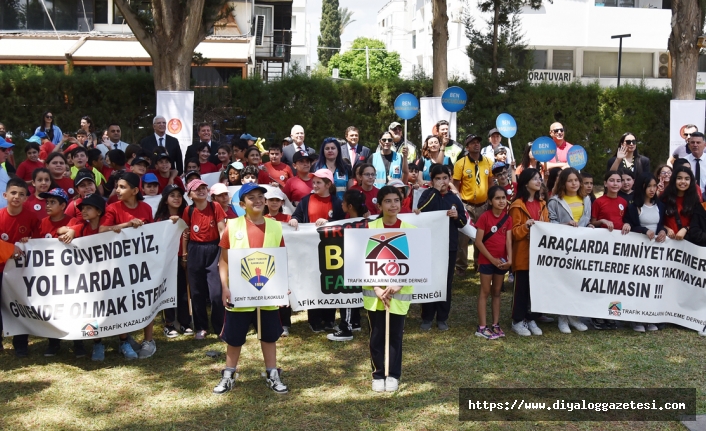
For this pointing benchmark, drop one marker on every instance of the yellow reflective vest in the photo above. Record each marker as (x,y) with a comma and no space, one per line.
(399,303)
(238,238)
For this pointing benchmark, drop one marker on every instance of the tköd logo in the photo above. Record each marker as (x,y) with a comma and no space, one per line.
(257,269)
(615,308)
(90,330)
(389,247)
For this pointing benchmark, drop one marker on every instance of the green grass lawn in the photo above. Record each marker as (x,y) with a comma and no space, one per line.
(330,382)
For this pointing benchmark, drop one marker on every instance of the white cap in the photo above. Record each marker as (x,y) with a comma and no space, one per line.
(275,193)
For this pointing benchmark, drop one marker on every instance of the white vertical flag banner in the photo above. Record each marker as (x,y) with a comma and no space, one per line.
(178,108)
(681,113)
(431,112)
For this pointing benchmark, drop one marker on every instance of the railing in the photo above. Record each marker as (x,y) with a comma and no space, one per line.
(278,45)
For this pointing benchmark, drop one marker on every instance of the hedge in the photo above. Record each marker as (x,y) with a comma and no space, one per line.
(594,117)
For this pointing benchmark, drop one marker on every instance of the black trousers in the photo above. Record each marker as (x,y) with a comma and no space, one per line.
(180,313)
(205,284)
(316,316)
(377,343)
(441,309)
(521,300)
(285,316)
(349,317)
(18,341)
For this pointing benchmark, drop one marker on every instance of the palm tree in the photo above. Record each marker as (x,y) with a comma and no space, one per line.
(345,17)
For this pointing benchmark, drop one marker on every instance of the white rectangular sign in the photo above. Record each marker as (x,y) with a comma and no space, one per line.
(681,113)
(431,112)
(257,277)
(538,76)
(177,107)
(387,257)
(97,286)
(607,275)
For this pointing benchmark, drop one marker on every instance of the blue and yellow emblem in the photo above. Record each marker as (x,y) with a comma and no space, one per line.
(257,269)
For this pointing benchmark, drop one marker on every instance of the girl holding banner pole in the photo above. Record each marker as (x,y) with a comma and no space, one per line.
(569,205)
(527,208)
(387,305)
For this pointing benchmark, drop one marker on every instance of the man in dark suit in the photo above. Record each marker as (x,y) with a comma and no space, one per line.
(352,150)
(160,139)
(204,136)
(298,145)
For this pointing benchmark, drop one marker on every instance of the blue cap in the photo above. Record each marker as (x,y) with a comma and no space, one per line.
(248,137)
(5,144)
(41,134)
(149,178)
(36,139)
(498,166)
(250,187)
(55,193)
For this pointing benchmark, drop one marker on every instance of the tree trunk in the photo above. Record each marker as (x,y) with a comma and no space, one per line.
(496,24)
(172,72)
(686,29)
(440,40)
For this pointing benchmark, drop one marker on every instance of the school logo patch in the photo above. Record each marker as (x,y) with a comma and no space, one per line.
(375,200)
(282,177)
(621,207)
(196,229)
(47,235)
(330,213)
(70,190)
(37,207)
(4,237)
(257,269)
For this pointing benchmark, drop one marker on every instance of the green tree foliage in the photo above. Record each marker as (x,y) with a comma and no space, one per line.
(346,16)
(330,36)
(352,64)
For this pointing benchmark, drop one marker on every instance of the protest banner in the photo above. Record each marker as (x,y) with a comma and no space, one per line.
(385,257)
(607,275)
(97,286)
(178,108)
(257,276)
(316,262)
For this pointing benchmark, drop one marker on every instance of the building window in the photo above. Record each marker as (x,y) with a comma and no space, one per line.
(101,15)
(294,23)
(562,59)
(30,15)
(539,58)
(616,3)
(414,41)
(634,64)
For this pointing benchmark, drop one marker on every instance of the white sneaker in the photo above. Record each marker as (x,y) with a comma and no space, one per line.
(391,384)
(379,385)
(564,325)
(533,328)
(652,327)
(577,323)
(702,333)
(520,328)
(285,331)
(148,349)
(638,327)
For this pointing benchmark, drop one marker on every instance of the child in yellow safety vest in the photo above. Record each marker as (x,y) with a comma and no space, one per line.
(251,231)
(376,299)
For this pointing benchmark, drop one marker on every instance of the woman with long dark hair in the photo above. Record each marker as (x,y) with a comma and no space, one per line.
(46,125)
(528,161)
(87,126)
(431,155)
(330,158)
(680,199)
(627,157)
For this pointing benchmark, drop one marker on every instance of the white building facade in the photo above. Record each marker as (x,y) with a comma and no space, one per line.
(571,38)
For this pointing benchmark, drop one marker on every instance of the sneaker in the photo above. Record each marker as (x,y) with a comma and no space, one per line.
(661,326)
(127,350)
(426,325)
(442,326)
(598,324)
(21,352)
(316,328)
(486,333)
(226,383)
(533,328)
(638,327)
(340,336)
(273,382)
(170,331)
(79,349)
(357,327)
(329,326)
(577,323)
(285,331)
(391,384)
(148,349)
(520,328)
(497,331)
(52,350)
(134,344)
(564,325)
(611,324)
(545,319)
(98,352)
(511,278)
(200,335)
(379,385)
(187,331)
(652,327)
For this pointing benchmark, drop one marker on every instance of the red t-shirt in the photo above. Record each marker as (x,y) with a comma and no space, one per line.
(280,173)
(371,199)
(207,168)
(319,208)
(296,188)
(534,209)
(14,228)
(47,228)
(164,181)
(395,225)
(45,149)
(256,236)
(119,213)
(671,221)
(230,213)
(83,228)
(204,227)
(611,209)
(407,204)
(496,243)
(282,217)
(67,184)
(106,171)
(25,169)
(263,177)
(36,206)
(72,208)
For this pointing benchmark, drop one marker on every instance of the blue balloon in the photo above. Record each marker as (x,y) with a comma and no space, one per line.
(454,99)
(406,106)
(544,149)
(506,125)
(577,157)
